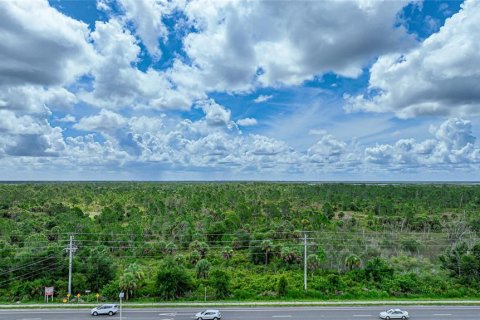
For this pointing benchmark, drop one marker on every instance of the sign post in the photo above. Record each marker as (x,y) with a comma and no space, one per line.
(48,293)
(78,297)
(121,295)
(98,296)
(68,297)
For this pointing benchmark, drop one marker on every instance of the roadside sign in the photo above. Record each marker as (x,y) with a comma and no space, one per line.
(121,295)
(48,291)
(97,295)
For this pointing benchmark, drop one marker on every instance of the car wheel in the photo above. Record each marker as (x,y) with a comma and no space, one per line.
(95,313)
(387,318)
(215,318)
(403,318)
(110,313)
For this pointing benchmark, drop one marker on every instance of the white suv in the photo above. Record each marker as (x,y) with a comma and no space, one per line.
(109,309)
(209,315)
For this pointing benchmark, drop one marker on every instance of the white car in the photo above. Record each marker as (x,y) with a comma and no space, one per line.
(394,314)
(109,309)
(209,315)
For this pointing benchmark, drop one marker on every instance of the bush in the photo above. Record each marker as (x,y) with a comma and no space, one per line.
(377,270)
(282,286)
(200,247)
(173,282)
(194,257)
(220,282)
(110,290)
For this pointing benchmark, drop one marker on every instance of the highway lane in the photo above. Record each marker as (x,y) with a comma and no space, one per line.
(254,313)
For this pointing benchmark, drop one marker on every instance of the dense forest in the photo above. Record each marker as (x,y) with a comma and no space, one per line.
(239,241)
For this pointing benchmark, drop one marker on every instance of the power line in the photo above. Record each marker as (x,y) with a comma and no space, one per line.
(293,232)
(25,266)
(320,242)
(32,273)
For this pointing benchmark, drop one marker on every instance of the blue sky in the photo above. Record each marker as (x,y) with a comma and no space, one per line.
(239,90)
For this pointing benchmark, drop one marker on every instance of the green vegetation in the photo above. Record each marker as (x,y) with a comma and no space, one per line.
(240,241)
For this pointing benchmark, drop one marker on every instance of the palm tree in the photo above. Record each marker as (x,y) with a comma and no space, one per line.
(194,257)
(352,262)
(227,253)
(313,263)
(131,279)
(267,247)
(200,247)
(203,268)
(127,283)
(290,255)
(171,248)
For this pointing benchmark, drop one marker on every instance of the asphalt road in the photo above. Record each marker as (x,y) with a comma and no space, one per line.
(255,313)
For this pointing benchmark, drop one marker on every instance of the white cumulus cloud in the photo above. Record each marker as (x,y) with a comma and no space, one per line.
(439,77)
(298,40)
(452,144)
(105,121)
(147,16)
(247,122)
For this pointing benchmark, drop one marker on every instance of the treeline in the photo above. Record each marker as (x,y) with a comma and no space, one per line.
(239,240)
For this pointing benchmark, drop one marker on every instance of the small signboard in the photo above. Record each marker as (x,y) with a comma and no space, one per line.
(49,291)
(121,295)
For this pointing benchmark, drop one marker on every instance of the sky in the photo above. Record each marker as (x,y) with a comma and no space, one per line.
(347,90)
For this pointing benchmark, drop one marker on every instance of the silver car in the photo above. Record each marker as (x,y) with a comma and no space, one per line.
(394,314)
(109,309)
(209,315)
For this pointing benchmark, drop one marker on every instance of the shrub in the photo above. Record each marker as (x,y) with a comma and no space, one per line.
(194,257)
(173,282)
(220,282)
(377,270)
(282,286)
(200,247)
(110,290)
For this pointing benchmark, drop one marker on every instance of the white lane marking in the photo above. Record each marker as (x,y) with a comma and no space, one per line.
(285,316)
(171,314)
(443,314)
(362,315)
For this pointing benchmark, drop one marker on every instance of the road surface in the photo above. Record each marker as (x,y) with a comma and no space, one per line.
(253,313)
